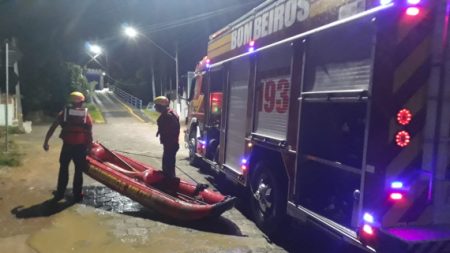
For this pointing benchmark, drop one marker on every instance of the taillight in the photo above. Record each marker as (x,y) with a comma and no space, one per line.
(404,118)
(402,139)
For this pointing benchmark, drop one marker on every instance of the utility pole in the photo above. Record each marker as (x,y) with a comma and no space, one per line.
(177,100)
(153,81)
(7,97)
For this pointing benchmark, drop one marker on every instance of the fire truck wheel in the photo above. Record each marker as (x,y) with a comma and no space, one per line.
(267,199)
(193,159)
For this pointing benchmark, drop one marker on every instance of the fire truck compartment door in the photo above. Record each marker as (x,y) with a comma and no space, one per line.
(236,113)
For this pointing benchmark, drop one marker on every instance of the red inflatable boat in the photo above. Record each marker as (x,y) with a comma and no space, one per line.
(173,198)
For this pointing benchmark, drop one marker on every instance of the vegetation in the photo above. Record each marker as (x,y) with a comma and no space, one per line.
(96,114)
(13,157)
(11,130)
(153,115)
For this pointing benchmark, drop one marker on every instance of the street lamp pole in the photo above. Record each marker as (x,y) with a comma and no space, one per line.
(132,33)
(177,101)
(7,95)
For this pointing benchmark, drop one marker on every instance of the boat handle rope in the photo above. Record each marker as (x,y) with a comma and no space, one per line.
(155,157)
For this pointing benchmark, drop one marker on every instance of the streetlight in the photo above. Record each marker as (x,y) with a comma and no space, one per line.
(132,33)
(94,51)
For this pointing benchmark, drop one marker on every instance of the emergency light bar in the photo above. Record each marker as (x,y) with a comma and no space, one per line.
(396,185)
(251,46)
(244,162)
(385,2)
(368,218)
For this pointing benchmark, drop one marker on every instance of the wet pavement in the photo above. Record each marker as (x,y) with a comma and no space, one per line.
(106,221)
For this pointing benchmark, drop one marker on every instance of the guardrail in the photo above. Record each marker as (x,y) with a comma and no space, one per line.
(127,98)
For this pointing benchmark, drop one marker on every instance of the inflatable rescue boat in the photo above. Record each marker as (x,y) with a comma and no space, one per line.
(171,197)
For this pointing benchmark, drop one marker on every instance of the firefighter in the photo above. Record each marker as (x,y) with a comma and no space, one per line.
(168,132)
(76,133)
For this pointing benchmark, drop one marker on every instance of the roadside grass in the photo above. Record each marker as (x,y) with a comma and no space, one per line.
(96,114)
(153,115)
(11,130)
(13,157)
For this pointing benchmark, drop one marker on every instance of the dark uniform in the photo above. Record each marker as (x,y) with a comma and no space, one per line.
(169,132)
(76,134)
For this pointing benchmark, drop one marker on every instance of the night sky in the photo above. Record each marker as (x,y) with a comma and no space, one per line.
(68,24)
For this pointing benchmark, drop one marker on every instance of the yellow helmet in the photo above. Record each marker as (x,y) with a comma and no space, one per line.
(76,97)
(161,100)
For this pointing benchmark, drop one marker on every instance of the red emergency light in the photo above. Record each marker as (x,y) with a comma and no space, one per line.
(404,117)
(396,196)
(367,229)
(412,11)
(244,166)
(215,101)
(402,139)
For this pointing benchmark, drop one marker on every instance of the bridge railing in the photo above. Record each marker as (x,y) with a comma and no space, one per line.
(127,98)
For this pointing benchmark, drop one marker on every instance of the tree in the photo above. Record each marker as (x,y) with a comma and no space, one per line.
(77,80)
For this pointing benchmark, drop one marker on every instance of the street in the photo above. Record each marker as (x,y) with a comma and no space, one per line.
(108,222)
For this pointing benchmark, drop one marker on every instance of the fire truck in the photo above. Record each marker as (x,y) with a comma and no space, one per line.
(334,113)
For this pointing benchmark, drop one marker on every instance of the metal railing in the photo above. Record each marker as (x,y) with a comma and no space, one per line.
(127,98)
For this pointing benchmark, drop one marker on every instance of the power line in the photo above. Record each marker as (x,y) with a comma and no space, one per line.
(193,19)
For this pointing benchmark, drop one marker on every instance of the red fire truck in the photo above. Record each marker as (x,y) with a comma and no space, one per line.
(335,113)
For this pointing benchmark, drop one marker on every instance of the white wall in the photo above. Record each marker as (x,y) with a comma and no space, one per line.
(10,114)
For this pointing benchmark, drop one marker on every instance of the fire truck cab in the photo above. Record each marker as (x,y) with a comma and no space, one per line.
(335,113)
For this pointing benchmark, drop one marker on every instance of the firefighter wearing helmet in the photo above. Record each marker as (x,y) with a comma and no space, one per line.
(168,132)
(76,134)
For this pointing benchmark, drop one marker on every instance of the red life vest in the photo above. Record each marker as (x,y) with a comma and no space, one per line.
(76,126)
